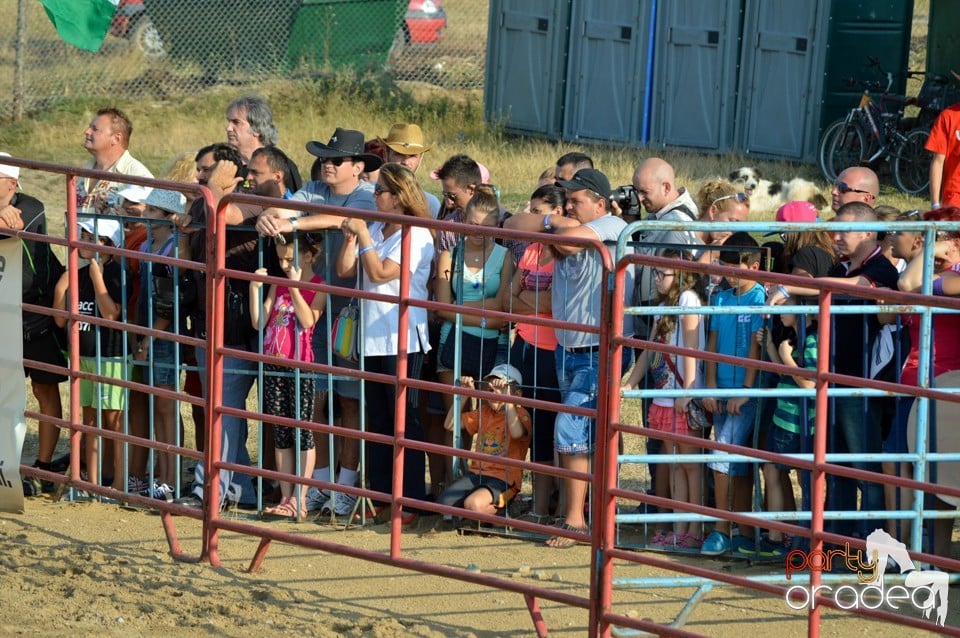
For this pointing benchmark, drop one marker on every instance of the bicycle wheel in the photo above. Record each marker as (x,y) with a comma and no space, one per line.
(847,148)
(911,164)
(823,150)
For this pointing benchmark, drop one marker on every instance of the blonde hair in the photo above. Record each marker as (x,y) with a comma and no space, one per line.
(401,181)
(181,168)
(712,191)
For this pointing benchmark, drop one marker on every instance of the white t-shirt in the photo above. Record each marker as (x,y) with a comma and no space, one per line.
(381,319)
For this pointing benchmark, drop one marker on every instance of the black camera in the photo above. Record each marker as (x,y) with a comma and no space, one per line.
(626,198)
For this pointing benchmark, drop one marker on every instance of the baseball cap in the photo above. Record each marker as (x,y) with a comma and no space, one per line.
(108,228)
(588,179)
(506,372)
(7,170)
(169,201)
(796,212)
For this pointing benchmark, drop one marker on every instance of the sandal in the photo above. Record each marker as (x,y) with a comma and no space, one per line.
(282,510)
(688,541)
(563,542)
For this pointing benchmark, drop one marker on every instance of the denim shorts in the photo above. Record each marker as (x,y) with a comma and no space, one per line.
(577,374)
(735,429)
(164,370)
(780,441)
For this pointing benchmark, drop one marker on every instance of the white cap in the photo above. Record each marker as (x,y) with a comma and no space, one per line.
(7,170)
(506,372)
(170,201)
(103,227)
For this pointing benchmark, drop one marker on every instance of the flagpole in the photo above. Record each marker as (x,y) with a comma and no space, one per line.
(21,50)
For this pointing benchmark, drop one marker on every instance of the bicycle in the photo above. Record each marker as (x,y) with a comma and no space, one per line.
(876,130)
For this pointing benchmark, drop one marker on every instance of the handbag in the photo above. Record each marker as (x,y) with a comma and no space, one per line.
(345,332)
(698,418)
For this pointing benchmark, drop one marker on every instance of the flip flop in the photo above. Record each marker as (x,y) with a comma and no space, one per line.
(283,510)
(563,542)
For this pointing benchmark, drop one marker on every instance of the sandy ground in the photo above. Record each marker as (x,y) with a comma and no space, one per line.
(92,568)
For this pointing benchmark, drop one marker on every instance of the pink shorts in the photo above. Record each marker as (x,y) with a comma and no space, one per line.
(666,419)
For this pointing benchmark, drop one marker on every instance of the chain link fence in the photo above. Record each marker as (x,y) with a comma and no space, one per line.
(165,48)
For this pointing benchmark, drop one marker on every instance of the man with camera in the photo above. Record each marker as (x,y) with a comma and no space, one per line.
(107,140)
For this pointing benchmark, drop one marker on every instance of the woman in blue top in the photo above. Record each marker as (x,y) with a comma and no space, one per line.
(476,273)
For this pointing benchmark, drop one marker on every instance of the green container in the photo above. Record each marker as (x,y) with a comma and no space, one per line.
(330,34)
(225,36)
(943,44)
(859,29)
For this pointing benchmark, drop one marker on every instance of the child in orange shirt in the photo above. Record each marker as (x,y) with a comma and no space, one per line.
(499,429)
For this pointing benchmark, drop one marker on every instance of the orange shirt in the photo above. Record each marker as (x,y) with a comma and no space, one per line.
(492,437)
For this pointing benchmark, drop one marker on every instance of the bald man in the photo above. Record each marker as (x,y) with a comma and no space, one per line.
(655,182)
(855,184)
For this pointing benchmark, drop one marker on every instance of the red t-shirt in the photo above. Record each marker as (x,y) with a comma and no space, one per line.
(945,139)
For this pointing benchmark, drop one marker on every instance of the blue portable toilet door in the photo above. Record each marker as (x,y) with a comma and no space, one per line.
(777,113)
(696,73)
(526,63)
(606,73)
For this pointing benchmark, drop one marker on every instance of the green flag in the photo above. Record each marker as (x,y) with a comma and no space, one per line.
(82,23)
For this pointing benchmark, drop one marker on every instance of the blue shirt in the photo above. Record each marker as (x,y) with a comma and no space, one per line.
(735,332)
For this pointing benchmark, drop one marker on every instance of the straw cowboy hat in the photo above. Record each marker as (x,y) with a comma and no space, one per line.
(345,143)
(406,139)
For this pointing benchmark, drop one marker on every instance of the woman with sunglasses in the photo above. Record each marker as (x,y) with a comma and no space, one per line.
(377,253)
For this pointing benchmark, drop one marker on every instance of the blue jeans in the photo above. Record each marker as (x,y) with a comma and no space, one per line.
(238,378)
(856,430)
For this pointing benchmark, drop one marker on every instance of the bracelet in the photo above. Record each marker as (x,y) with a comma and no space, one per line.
(783,291)
(546,220)
(363,250)
(293,223)
(934,204)
(938,287)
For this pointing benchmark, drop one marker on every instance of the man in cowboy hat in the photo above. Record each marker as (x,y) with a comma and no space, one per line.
(944,143)
(343,159)
(406,146)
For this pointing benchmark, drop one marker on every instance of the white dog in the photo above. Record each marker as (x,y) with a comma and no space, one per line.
(767,196)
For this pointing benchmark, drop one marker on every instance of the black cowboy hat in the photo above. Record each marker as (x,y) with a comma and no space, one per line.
(345,143)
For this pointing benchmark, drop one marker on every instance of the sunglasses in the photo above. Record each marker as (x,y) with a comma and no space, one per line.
(337,161)
(377,189)
(452,196)
(843,188)
(740,197)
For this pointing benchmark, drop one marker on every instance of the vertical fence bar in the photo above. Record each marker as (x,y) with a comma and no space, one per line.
(216,286)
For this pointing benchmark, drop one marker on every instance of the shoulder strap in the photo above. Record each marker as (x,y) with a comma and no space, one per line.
(669,359)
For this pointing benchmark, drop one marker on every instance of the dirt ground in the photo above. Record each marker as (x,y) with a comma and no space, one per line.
(91,568)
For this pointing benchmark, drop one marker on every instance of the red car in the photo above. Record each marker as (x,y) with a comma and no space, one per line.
(424,23)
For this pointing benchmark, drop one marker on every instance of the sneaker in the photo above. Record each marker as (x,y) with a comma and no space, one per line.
(162,492)
(343,503)
(316,499)
(717,543)
(137,486)
(743,545)
(190,500)
(32,486)
(770,549)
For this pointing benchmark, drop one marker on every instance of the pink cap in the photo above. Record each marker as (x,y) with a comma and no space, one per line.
(484,174)
(803,212)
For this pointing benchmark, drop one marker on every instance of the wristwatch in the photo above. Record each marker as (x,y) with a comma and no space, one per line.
(293,223)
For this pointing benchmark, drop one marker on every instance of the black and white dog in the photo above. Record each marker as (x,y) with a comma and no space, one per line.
(767,196)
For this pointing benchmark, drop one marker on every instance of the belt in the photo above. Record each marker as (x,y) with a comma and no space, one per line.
(583,350)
